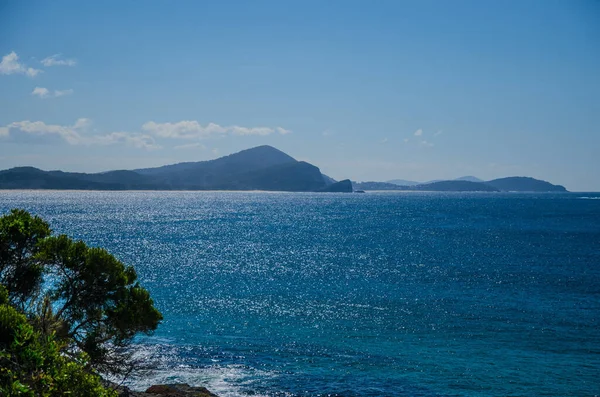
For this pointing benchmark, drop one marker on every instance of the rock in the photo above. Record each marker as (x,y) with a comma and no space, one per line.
(172,390)
(179,390)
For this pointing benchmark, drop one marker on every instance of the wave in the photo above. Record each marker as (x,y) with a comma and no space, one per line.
(225,381)
(589,198)
(167,363)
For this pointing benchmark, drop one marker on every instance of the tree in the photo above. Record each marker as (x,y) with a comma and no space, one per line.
(31,363)
(20,270)
(90,301)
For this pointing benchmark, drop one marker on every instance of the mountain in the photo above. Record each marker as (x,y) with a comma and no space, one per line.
(259,168)
(256,158)
(329,180)
(438,186)
(455,186)
(469,178)
(344,186)
(403,182)
(33,178)
(370,185)
(292,177)
(524,184)
(464,184)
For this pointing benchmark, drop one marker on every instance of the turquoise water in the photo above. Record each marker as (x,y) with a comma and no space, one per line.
(391,294)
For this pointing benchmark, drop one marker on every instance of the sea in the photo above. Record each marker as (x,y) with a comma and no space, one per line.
(375,294)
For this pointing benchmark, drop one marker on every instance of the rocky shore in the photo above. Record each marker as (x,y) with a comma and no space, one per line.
(172,390)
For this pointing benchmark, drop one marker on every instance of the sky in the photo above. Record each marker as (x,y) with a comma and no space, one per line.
(365,90)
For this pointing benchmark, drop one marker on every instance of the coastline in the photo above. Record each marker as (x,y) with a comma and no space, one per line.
(166,390)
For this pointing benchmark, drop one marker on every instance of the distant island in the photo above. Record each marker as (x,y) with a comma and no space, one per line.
(258,168)
(467,184)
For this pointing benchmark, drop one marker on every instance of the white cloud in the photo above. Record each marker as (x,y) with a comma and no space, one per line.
(69,133)
(438,133)
(384,140)
(82,123)
(41,92)
(183,129)
(426,144)
(328,132)
(191,129)
(58,93)
(237,130)
(137,140)
(283,131)
(406,140)
(215,151)
(55,60)
(74,134)
(418,132)
(10,65)
(46,93)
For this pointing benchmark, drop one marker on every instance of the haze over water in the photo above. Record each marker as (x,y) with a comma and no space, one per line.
(380,294)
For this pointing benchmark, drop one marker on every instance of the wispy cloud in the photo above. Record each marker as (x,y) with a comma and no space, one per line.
(46,93)
(41,92)
(75,134)
(440,132)
(418,138)
(384,140)
(78,134)
(328,132)
(69,133)
(137,140)
(191,129)
(190,146)
(283,131)
(55,60)
(10,65)
(58,93)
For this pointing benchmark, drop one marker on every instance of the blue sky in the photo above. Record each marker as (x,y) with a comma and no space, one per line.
(367,90)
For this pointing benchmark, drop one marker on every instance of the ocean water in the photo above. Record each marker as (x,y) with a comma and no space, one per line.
(377,294)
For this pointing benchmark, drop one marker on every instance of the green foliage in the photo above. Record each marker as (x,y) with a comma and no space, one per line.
(31,364)
(3,295)
(10,319)
(98,300)
(20,270)
(71,308)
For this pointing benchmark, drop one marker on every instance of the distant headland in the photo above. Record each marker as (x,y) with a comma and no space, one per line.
(258,168)
(510,184)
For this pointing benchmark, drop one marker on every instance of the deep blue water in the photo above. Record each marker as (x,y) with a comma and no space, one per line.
(391,294)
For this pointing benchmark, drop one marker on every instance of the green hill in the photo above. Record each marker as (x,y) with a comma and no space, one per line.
(259,168)
(524,184)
